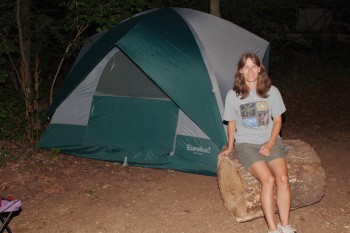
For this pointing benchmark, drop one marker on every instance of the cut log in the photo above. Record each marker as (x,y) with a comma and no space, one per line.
(240,191)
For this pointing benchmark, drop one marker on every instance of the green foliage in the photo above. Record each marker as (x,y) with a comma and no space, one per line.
(301,71)
(3,76)
(269,19)
(96,15)
(12,122)
(8,39)
(53,153)
(245,13)
(101,14)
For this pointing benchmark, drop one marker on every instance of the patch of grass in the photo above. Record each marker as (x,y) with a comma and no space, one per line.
(6,155)
(89,192)
(53,154)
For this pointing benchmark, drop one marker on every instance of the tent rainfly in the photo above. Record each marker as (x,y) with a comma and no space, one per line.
(151,91)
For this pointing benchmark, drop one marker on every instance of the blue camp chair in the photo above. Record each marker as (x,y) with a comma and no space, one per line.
(8,209)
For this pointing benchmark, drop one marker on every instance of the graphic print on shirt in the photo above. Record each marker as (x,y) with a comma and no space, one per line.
(255,114)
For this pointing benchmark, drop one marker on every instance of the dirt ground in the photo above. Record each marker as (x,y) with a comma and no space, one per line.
(68,194)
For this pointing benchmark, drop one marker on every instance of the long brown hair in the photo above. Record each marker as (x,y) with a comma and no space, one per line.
(264,82)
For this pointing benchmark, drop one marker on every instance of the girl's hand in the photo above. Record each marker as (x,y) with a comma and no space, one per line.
(223,153)
(266,149)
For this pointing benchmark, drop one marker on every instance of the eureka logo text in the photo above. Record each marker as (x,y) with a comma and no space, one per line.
(198,150)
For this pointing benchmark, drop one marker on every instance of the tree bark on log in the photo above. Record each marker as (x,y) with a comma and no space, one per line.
(240,191)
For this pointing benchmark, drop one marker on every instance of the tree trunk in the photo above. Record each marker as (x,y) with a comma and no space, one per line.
(240,191)
(23,23)
(25,79)
(215,7)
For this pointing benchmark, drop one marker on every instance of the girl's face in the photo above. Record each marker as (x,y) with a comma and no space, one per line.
(250,71)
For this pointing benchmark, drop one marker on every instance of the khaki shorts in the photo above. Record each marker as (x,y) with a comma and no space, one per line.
(248,153)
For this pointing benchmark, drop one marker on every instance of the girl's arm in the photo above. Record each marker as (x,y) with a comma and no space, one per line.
(231,129)
(277,125)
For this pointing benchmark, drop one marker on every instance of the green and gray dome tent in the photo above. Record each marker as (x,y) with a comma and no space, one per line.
(151,90)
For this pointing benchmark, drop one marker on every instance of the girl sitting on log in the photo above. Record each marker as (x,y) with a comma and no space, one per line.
(253,111)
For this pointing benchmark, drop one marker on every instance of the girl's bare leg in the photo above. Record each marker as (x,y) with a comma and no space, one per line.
(262,172)
(280,172)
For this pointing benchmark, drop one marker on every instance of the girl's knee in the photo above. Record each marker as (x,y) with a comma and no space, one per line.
(268,182)
(282,181)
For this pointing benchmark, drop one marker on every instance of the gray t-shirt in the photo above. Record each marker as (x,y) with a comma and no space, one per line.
(253,115)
